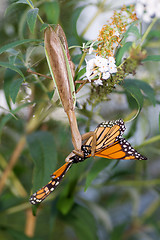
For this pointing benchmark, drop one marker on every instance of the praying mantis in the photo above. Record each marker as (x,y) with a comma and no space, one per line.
(62,71)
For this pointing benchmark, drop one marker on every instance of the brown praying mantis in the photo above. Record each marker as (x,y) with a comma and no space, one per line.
(62,72)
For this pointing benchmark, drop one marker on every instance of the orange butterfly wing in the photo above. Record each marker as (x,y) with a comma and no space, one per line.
(110,144)
(120,150)
(107,133)
(57,176)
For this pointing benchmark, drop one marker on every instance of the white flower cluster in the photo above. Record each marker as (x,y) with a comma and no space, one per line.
(101,67)
(148,9)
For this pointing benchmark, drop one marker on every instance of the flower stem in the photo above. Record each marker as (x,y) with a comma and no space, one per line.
(80,63)
(147,31)
(40,19)
(151,140)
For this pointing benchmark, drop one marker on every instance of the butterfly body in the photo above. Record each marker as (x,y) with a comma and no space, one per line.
(109,144)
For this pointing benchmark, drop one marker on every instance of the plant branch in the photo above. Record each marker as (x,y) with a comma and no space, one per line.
(12,162)
(136,183)
(36,73)
(151,140)
(84,82)
(30,223)
(16,187)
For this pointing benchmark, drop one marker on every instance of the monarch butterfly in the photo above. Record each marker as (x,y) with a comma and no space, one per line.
(109,144)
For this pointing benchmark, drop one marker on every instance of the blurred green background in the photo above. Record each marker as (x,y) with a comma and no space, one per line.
(99,198)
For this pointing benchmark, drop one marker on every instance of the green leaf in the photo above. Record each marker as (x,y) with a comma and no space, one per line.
(73,25)
(12,59)
(8,78)
(153,34)
(12,67)
(97,167)
(9,116)
(159,121)
(13,52)
(52,10)
(152,58)
(29,2)
(66,197)
(118,232)
(31,18)
(145,87)
(43,151)
(17,43)
(131,87)
(50,94)
(121,52)
(65,204)
(80,73)
(17,235)
(43,27)
(132,129)
(84,223)
(132,29)
(14,88)
(13,5)
(21,1)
